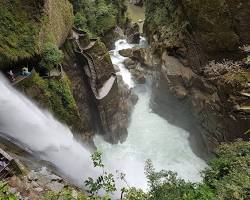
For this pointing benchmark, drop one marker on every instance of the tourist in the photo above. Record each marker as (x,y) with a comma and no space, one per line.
(25,71)
(11,76)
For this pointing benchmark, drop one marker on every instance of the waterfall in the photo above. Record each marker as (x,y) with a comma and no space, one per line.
(40,132)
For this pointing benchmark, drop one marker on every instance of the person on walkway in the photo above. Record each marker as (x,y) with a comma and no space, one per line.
(11,76)
(25,71)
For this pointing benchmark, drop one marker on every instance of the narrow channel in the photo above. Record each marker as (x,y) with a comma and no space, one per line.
(149,137)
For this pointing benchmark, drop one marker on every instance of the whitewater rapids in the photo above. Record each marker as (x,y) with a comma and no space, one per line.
(149,137)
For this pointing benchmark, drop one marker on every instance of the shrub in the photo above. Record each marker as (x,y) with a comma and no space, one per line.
(51,56)
(104,182)
(248,59)
(95,17)
(229,173)
(165,185)
(80,20)
(5,193)
(55,95)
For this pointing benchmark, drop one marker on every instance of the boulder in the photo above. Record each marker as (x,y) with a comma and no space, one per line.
(129,63)
(132,33)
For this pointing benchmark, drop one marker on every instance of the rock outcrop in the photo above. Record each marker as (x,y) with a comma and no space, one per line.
(26,25)
(186,37)
(132,33)
(108,115)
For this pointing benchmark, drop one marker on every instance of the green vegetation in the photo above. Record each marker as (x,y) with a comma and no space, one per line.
(56,22)
(51,56)
(66,194)
(25,26)
(5,193)
(96,17)
(229,173)
(227,178)
(248,59)
(18,34)
(53,94)
(104,182)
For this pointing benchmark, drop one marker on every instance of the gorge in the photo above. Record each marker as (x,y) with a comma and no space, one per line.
(157,90)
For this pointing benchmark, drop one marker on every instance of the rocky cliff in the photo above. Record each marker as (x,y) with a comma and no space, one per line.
(199,55)
(26,25)
(107,115)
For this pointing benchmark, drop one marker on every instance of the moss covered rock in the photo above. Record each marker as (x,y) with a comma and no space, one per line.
(198,30)
(54,95)
(26,25)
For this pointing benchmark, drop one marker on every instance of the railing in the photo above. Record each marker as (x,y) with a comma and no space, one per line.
(93,74)
(4,172)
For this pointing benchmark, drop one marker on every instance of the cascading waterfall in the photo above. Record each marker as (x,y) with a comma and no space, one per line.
(149,137)
(43,135)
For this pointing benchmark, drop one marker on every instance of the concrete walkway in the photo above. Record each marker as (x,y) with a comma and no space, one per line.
(19,79)
(102,92)
(107,86)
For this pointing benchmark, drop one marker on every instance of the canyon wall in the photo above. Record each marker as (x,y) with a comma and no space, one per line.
(200,53)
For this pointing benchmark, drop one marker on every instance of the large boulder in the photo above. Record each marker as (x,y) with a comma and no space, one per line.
(133,33)
(108,116)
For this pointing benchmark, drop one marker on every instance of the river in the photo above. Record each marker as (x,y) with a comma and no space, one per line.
(149,137)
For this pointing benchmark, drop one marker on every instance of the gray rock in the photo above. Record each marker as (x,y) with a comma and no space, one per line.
(129,62)
(55,186)
(39,189)
(32,176)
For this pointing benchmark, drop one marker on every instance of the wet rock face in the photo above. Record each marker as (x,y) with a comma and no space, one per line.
(213,104)
(111,36)
(185,39)
(36,184)
(81,92)
(115,111)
